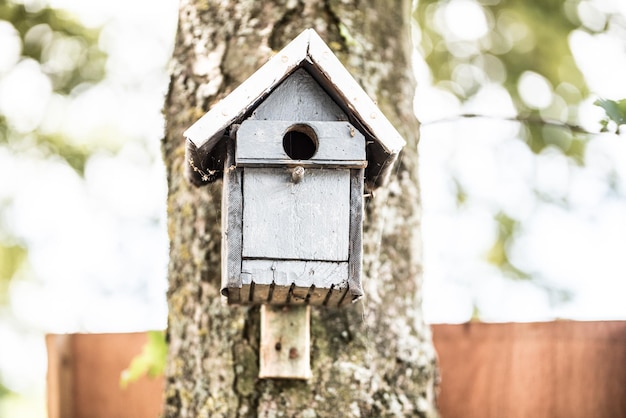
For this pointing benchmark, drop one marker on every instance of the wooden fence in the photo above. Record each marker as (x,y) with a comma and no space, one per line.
(540,370)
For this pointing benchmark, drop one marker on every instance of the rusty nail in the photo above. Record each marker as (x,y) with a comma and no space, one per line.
(293,353)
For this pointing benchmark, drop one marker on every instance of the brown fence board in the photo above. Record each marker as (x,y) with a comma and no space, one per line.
(84,375)
(552,370)
(541,370)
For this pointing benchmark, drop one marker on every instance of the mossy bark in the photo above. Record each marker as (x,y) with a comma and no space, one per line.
(373,359)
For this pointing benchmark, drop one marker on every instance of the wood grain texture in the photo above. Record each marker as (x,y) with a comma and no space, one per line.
(322,274)
(338,143)
(285,351)
(59,382)
(299,91)
(84,377)
(309,220)
(539,370)
(293,282)
(232,211)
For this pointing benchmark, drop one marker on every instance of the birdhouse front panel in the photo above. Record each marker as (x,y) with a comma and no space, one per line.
(295,183)
(304,220)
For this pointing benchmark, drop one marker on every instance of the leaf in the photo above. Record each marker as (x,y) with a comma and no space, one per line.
(497,254)
(615,111)
(11,259)
(150,362)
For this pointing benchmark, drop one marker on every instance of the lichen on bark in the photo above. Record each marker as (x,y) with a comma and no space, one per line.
(373,359)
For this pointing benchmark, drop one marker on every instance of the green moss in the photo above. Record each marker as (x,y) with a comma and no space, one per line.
(246,368)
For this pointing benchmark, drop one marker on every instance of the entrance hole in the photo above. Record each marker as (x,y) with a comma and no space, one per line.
(300,142)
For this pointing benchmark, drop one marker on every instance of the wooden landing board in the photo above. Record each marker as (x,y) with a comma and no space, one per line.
(285,351)
(295,282)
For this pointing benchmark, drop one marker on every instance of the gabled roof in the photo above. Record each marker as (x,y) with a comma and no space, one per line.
(307,50)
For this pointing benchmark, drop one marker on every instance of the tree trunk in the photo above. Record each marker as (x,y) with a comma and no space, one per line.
(372,359)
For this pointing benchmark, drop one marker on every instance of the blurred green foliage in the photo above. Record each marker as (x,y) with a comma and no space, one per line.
(497,254)
(69,55)
(11,258)
(521,39)
(67,51)
(615,112)
(510,41)
(150,362)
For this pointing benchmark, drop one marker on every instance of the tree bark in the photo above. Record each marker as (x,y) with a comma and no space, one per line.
(372,359)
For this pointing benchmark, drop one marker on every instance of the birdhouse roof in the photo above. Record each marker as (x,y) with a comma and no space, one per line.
(306,51)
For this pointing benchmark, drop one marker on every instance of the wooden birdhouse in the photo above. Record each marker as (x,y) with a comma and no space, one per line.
(297,144)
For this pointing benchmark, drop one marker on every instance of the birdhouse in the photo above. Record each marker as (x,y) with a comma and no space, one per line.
(297,144)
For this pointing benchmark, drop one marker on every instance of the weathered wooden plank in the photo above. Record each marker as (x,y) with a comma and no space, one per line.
(356,234)
(299,94)
(313,164)
(84,377)
(561,369)
(337,296)
(308,220)
(322,274)
(285,342)
(280,295)
(292,282)
(337,142)
(60,380)
(232,212)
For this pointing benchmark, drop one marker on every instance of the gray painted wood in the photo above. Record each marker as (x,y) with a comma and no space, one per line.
(356,233)
(294,282)
(303,274)
(338,143)
(285,351)
(232,211)
(309,220)
(299,93)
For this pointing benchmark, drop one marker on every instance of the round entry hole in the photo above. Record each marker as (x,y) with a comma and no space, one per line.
(300,142)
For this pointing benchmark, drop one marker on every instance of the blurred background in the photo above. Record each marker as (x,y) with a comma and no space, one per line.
(523,176)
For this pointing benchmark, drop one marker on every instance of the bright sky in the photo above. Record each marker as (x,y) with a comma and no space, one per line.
(98,246)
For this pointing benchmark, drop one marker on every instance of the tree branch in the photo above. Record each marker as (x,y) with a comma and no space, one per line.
(534,120)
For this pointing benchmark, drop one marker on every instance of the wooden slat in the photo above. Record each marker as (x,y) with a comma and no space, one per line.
(232,211)
(322,274)
(298,94)
(540,370)
(84,377)
(304,221)
(60,377)
(261,142)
